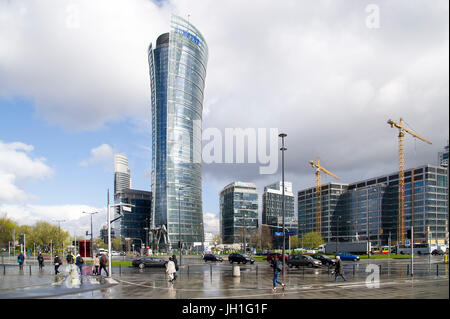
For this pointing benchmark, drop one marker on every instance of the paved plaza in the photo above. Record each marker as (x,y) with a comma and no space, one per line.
(199,280)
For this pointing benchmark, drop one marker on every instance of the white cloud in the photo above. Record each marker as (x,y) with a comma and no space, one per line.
(75,220)
(211,223)
(103,154)
(16,169)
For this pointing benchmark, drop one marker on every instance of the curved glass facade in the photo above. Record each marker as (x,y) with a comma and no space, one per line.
(177,76)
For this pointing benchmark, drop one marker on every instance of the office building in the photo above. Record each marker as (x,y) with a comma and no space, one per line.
(238,212)
(443,156)
(177,64)
(132,224)
(368,210)
(122,178)
(272,212)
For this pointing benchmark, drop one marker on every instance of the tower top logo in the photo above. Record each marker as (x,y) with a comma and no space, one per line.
(188,35)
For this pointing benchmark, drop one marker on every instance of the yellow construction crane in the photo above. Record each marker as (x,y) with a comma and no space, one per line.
(319,168)
(401,177)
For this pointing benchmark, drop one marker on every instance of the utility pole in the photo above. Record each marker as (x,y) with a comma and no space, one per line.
(92,236)
(412,250)
(59,231)
(282,149)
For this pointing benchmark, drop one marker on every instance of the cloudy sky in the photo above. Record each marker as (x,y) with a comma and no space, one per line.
(74,89)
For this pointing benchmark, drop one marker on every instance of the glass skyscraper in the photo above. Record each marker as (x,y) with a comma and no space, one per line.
(177,76)
(272,212)
(238,212)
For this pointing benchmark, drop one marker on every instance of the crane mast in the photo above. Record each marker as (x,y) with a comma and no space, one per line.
(401,174)
(319,168)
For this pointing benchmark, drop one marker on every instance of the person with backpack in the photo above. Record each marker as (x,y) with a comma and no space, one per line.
(103,262)
(96,265)
(21,260)
(40,259)
(70,258)
(174,259)
(79,262)
(276,272)
(57,262)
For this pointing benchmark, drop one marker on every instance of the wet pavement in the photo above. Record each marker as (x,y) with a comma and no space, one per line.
(215,281)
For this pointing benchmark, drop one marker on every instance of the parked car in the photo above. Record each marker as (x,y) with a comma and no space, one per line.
(279,255)
(143,262)
(240,258)
(348,256)
(439,252)
(324,259)
(303,260)
(212,257)
(115,253)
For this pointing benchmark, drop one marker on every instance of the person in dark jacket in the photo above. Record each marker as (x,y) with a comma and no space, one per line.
(21,260)
(276,272)
(79,262)
(70,258)
(40,259)
(103,261)
(174,259)
(57,262)
(339,269)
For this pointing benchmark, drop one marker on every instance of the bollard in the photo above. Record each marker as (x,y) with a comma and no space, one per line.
(437,270)
(30,270)
(4,269)
(303,271)
(120,270)
(353,270)
(328,270)
(407,269)
(210,271)
(236,271)
(256,271)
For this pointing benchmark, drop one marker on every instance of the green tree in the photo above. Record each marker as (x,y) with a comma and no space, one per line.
(216,239)
(99,243)
(117,243)
(312,240)
(294,242)
(6,230)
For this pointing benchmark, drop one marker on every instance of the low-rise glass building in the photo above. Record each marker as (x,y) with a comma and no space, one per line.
(368,210)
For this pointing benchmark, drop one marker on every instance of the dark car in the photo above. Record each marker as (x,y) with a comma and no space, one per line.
(438,252)
(324,259)
(143,262)
(303,260)
(240,258)
(212,257)
(279,256)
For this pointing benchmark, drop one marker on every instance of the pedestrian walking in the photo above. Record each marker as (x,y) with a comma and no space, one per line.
(276,272)
(70,258)
(103,261)
(21,260)
(40,259)
(96,265)
(339,269)
(57,262)
(170,269)
(174,259)
(79,262)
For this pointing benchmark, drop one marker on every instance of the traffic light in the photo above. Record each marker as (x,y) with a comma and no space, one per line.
(408,234)
(21,239)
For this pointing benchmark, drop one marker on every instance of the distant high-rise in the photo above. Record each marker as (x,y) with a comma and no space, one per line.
(238,212)
(122,178)
(177,76)
(443,156)
(272,213)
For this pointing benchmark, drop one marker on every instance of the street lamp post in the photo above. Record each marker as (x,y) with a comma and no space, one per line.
(120,205)
(179,221)
(92,236)
(282,149)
